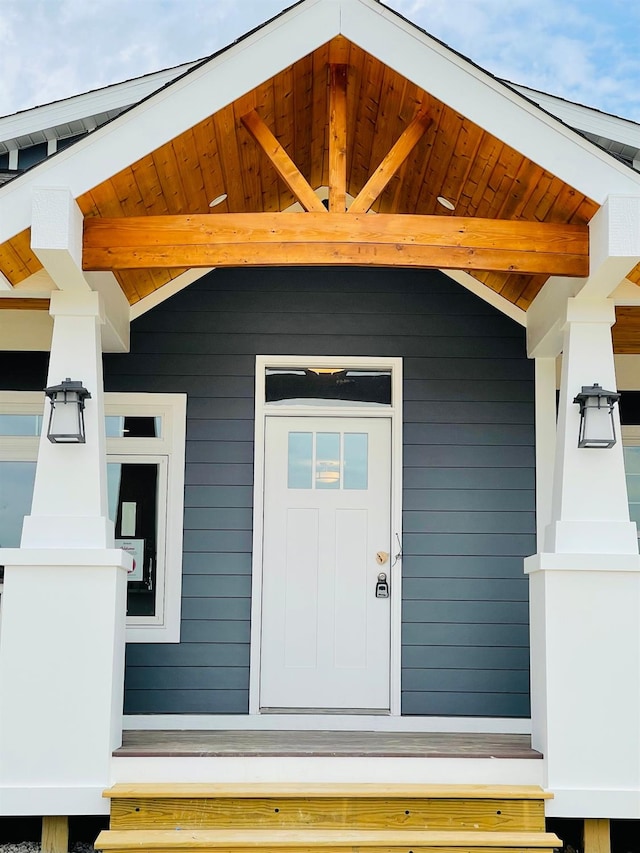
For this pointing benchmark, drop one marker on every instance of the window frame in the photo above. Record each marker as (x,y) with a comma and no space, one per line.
(168,451)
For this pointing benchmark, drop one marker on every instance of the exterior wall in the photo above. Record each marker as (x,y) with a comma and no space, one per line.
(468,481)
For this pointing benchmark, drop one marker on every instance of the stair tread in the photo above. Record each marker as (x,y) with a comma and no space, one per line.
(135,839)
(197,790)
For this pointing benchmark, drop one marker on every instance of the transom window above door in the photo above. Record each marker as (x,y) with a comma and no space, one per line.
(327,386)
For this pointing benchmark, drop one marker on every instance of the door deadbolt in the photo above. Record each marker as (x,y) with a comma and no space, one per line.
(382,557)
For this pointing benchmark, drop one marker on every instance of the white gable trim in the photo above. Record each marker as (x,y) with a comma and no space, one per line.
(485,100)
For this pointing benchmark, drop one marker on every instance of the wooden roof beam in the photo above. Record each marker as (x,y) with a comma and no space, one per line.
(338,138)
(282,163)
(281,239)
(399,152)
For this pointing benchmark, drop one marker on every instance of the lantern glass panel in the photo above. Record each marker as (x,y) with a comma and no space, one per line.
(66,424)
(597,427)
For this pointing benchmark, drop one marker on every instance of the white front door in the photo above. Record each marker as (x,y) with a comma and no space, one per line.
(325,635)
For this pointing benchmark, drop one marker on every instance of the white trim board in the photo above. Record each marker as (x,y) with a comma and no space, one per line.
(325,722)
(388,771)
(394,413)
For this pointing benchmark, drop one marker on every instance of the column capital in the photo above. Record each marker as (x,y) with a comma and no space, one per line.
(76,304)
(598,310)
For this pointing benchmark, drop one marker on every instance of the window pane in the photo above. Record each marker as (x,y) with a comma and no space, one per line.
(328,387)
(132,427)
(16,492)
(356,460)
(20,424)
(299,460)
(327,460)
(632,460)
(133,504)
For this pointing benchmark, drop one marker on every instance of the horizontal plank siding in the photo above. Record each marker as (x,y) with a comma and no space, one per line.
(469,474)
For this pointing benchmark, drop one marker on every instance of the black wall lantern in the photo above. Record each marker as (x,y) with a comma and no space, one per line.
(66,421)
(597,428)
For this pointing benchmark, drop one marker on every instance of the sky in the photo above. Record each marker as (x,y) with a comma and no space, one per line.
(583,50)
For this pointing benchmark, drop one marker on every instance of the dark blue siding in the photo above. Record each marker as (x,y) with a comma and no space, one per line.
(468,481)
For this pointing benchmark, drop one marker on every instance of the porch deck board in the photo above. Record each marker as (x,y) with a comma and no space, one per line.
(163,743)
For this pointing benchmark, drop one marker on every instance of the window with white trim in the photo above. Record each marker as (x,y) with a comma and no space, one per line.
(145,477)
(631,441)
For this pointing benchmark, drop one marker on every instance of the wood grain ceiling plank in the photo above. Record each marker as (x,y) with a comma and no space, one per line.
(391,163)
(534,285)
(87,205)
(21,244)
(188,160)
(284,128)
(251,159)
(270,182)
(523,186)
(106,200)
(206,150)
(545,205)
(147,180)
(634,275)
(11,264)
(164,159)
(505,168)
(626,330)
(441,154)
(126,188)
(389,125)
(461,163)
(227,145)
(337,138)
(281,162)
(419,162)
(541,188)
(479,175)
(302,118)
(319,165)
(366,118)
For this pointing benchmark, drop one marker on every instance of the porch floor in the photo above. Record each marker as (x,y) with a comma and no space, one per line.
(207,744)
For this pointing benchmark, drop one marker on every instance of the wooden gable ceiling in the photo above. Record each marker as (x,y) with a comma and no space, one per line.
(454,158)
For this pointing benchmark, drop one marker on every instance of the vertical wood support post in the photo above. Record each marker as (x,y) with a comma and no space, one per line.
(338,138)
(597,836)
(55,834)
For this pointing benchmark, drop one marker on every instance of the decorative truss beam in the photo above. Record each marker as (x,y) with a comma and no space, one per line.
(281,239)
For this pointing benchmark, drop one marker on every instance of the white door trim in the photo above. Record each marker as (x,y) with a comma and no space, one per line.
(394,412)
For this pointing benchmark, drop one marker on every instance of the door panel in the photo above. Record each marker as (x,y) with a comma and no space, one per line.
(325,635)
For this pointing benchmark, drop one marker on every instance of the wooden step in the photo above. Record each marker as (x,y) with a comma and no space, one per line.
(375,807)
(322,841)
(324,789)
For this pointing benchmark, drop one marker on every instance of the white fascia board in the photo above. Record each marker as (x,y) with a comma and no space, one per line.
(25,331)
(79,107)
(626,293)
(585,118)
(173,110)
(486,101)
(487,295)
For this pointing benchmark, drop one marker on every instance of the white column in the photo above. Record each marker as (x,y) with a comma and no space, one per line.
(585,602)
(63,620)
